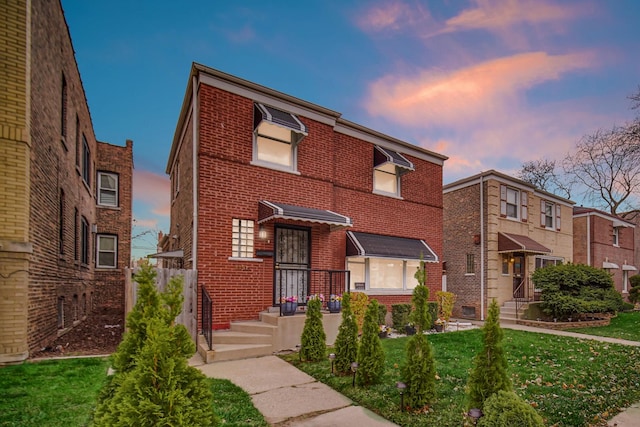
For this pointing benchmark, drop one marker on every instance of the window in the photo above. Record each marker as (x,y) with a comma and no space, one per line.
(386,179)
(84,241)
(63,108)
(382,273)
(175,180)
(505,265)
(513,203)
(107,189)
(471,265)
(77,141)
(61,223)
(60,307)
(86,162)
(75,234)
(106,248)
(543,261)
(242,238)
(277,135)
(616,236)
(547,214)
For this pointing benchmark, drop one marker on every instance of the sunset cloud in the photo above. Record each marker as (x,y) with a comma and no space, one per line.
(392,15)
(152,189)
(481,92)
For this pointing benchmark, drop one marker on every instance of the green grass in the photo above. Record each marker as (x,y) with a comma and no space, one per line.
(625,326)
(64,392)
(571,382)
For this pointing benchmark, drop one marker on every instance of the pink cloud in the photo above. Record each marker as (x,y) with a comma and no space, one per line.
(147,223)
(474,94)
(152,189)
(392,15)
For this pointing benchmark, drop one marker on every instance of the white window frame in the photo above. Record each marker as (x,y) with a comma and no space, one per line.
(548,206)
(517,202)
(616,236)
(540,260)
(269,132)
(102,190)
(383,170)
(99,237)
(242,238)
(407,274)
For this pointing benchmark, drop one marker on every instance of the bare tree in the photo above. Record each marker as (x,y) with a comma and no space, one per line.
(543,174)
(607,164)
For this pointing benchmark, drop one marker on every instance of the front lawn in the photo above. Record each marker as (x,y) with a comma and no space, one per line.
(64,392)
(625,326)
(571,382)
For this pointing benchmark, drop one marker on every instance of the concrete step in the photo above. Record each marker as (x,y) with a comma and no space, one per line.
(235,337)
(222,352)
(253,327)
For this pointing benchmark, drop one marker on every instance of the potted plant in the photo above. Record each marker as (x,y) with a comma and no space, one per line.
(383,331)
(335,303)
(439,324)
(410,329)
(288,305)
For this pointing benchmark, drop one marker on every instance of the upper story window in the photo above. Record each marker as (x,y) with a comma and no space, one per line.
(513,203)
(242,238)
(388,168)
(175,180)
(616,236)
(106,248)
(471,264)
(276,138)
(63,108)
(61,223)
(107,189)
(550,215)
(86,162)
(84,241)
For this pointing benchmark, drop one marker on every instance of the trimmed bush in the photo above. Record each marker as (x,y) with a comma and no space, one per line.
(359,303)
(506,409)
(346,345)
(314,340)
(370,353)
(400,315)
(489,373)
(382,314)
(634,292)
(432,308)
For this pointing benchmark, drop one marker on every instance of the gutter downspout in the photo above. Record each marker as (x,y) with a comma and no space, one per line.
(194,121)
(481,247)
(588,240)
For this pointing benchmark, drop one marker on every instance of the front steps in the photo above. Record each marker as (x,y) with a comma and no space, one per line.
(508,311)
(255,338)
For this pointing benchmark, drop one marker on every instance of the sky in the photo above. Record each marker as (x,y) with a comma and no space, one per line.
(488,83)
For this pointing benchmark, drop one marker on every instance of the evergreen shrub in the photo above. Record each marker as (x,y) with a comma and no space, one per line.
(400,315)
(314,340)
(346,345)
(506,409)
(371,356)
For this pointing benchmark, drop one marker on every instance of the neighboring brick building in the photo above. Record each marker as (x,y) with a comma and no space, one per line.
(64,197)
(497,231)
(605,241)
(265,185)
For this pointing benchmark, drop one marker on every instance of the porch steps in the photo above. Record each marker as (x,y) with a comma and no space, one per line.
(244,339)
(508,311)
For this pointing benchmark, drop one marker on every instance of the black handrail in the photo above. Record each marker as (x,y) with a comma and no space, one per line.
(523,294)
(304,282)
(207,317)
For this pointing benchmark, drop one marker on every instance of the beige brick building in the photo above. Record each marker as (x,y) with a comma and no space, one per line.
(65,198)
(497,231)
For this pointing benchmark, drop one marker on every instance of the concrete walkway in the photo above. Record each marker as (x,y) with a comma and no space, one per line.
(288,397)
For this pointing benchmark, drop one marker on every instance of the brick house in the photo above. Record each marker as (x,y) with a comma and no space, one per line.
(266,186)
(65,198)
(605,241)
(497,231)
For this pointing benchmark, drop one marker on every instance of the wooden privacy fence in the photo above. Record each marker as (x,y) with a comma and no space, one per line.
(189,314)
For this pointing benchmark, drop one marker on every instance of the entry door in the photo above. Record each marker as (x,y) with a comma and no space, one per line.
(518,276)
(292,263)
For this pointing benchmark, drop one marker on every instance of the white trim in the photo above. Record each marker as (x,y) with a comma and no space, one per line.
(99,185)
(115,250)
(609,265)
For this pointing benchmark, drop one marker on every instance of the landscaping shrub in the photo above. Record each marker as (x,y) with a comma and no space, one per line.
(382,314)
(445,301)
(346,345)
(432,308)
(571,289)
(153,384)
(634,292)
(313,346)
(419,372)
(506,409)
(371,356)
(400,315)
(489,373)
(359,302)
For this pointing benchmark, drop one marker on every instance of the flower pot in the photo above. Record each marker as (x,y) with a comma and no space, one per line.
(334,306)
(289,308)
(439,328)
(410,330)
(382,334)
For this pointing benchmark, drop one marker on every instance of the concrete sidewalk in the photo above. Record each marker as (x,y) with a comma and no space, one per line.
(287,396)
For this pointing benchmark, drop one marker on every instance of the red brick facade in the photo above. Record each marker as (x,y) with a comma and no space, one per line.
(334,172)
(593,244)
(64,286)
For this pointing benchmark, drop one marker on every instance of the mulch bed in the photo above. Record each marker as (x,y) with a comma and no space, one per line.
(98,334)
